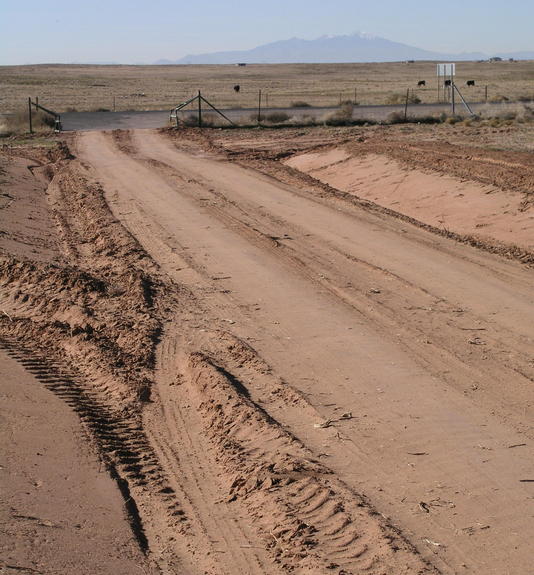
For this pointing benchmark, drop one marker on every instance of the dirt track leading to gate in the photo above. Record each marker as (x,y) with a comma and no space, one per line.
(279,378)
(425,342)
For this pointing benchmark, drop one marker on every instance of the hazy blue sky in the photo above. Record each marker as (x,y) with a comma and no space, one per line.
(129,31)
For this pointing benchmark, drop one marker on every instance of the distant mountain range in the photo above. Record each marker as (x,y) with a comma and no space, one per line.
(330,49)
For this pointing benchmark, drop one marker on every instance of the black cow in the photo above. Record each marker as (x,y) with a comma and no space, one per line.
(421,83)
(237,87)
(470,82)
(447,83)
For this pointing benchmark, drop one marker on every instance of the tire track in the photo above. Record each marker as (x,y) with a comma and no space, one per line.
(120,441)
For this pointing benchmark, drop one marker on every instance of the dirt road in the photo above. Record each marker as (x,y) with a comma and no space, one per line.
(400,359)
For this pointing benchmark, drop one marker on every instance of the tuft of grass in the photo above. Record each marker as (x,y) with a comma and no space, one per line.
(300,104)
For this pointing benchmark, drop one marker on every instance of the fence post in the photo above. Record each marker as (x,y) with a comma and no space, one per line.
(30,114)
(199,110)
(406,105)
(259,106)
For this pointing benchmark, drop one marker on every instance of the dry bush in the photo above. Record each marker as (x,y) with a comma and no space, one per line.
(208,120)
(397,98)
(499,98)
(305,120)
(277,117)
(398,118)
(452,120)
(341,117)
(300,104)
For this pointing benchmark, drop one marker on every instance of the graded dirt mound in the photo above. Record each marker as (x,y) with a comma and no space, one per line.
(443,201)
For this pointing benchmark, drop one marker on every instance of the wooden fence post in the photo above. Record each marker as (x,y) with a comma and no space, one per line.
(30,114)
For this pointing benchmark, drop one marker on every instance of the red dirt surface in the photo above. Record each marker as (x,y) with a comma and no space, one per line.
(464,207)
(280,376)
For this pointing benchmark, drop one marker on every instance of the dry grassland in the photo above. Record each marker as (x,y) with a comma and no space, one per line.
(84,88)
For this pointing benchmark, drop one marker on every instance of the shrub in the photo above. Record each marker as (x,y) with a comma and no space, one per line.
(451,120)
(191,120)
(398,118)
(395,118)
(277,117)
(300,104)
(397,98)
(341,117)
(499,98)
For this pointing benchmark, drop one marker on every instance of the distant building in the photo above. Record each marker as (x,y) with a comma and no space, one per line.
(495,59)
(241,64)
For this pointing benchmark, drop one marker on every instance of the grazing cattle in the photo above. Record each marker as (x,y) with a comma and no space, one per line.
(421,83)
(470,82)
(237,87)
(447,83)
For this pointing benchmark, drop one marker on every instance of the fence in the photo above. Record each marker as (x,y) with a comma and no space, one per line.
(55,115)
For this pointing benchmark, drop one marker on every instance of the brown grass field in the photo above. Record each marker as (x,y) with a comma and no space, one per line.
(88,87)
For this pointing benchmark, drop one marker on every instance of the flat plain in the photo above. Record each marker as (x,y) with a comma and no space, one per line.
(90,87)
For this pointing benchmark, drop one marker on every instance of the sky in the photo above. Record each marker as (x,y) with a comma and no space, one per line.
(141,31)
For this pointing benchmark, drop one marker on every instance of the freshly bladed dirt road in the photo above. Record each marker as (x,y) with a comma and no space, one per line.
(400,359)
